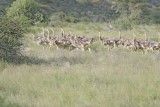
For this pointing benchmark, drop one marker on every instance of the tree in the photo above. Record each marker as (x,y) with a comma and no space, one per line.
(11,34)
(28,11)
(131,12)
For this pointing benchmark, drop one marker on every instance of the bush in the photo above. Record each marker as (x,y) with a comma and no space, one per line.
(11,34)
(26,11)
(123,24)
(71,19)
(23,20)
(2,65)
(57,16)
(155,15)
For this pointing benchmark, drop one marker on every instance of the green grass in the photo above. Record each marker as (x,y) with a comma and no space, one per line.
(65,78)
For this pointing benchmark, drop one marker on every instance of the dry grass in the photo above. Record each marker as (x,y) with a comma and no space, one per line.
(76,79)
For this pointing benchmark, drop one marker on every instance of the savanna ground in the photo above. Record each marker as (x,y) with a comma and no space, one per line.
(62,78)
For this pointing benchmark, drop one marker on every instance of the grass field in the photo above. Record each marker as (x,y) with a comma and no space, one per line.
(62,78)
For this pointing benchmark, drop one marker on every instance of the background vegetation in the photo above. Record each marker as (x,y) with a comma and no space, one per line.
(11,34)
(46,77)
(127,12)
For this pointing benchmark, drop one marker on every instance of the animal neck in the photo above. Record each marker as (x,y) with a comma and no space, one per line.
(33,37)
(134,36)
(120,35)
(48,37)
(100,38)
(159,36)
(70,33)
(53,32)
(146,38)
(43,32)
(62,32)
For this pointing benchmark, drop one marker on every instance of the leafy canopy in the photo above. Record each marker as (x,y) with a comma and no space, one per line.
(27,11)
(11,34)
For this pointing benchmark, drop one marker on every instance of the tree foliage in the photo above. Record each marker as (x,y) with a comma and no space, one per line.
(25,10)
(132,12)
(121,12)
(11,34)
(135,10)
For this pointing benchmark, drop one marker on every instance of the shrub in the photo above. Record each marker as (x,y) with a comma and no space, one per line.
(123,24)
(11,34)
(57,16)
(71,19)
(155,15)
(25,10)
(2,66)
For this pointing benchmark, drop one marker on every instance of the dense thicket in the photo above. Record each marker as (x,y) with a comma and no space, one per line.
(124,13)
(26,11)
(4,4)
(11,34)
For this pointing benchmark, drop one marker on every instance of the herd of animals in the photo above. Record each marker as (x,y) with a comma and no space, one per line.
(71,42)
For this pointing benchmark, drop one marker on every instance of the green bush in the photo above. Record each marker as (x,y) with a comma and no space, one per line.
(23,20)
(11,34)
(84,19)
(71,19)
(28,11)
(155,15)
(2,66)
(57,16)
(123,24)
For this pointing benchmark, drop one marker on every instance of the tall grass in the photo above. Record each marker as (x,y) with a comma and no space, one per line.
(2,65)
(65,78)
(79,79)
